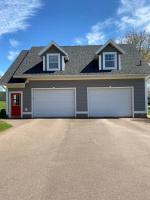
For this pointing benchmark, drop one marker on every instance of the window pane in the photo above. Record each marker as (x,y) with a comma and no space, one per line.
(16,100)
(109,64)
(53,59)
(53,62)
(109,57)
(110,60)
(53,65)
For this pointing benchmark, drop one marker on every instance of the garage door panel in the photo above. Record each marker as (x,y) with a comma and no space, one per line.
(54,102)
(110,102)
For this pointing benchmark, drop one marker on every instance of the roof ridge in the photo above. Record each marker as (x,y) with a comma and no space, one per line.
(74,46)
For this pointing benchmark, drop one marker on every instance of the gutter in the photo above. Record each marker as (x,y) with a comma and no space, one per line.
(79,77)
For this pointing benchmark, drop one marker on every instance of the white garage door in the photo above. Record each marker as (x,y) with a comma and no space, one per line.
(53,102)
(110,102)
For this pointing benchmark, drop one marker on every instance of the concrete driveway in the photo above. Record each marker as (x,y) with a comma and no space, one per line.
(66,159)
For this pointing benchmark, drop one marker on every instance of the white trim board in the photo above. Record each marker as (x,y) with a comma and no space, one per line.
(81,112)
(146,96)
(140,112)
(49,46)
(81,77)
(7,102)
(113,44)
(44,66)
(100,62)
(27,113)
(119,61)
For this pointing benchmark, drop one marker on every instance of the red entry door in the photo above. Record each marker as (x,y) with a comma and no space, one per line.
(16,105)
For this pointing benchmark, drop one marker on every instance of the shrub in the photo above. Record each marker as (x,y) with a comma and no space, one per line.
(3,114)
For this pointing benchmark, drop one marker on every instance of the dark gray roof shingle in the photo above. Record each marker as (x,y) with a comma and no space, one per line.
(12,69)
(81,62)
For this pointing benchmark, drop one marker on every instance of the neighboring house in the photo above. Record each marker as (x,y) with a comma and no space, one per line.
(77,81)
(2,89)
(2,96)
(2,93)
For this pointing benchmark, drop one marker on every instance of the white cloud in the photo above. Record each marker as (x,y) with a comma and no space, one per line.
(96,34)
(95,37)
(14,43)
(12,55)
(15,13)
(134,14)
(79,40)
(130,14)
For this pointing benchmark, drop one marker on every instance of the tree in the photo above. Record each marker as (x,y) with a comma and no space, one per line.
(141,40)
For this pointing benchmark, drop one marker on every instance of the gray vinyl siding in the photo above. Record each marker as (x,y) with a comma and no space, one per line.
(53,50)
(81,90)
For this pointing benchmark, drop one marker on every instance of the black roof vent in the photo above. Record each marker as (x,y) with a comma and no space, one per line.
(140,63)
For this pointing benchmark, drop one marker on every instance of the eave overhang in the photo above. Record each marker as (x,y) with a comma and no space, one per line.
(84,77)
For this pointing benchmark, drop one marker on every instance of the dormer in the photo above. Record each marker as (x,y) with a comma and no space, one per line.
(54,57)
(109,56)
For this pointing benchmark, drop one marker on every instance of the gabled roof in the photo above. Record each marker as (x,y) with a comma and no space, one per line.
(49,46)
(110,42)
(82,62)
(13,68)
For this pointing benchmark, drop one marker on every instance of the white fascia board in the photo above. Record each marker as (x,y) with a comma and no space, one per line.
(91,77)
(113,44)
(53,44)
(15,85)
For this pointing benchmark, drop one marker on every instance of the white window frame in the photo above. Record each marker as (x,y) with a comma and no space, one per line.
(108,53)
(44,63)
(53,69)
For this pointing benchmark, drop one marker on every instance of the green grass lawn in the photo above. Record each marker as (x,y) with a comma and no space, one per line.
(2,105)
(4,126)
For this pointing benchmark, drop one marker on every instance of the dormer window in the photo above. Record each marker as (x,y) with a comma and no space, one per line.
(53,62)
(109,60)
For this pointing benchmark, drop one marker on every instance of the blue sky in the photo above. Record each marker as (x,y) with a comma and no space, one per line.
(26,23)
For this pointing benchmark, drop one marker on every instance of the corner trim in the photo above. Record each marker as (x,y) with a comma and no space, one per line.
(146,97)
(100,62)
(44,67)
(119,57)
